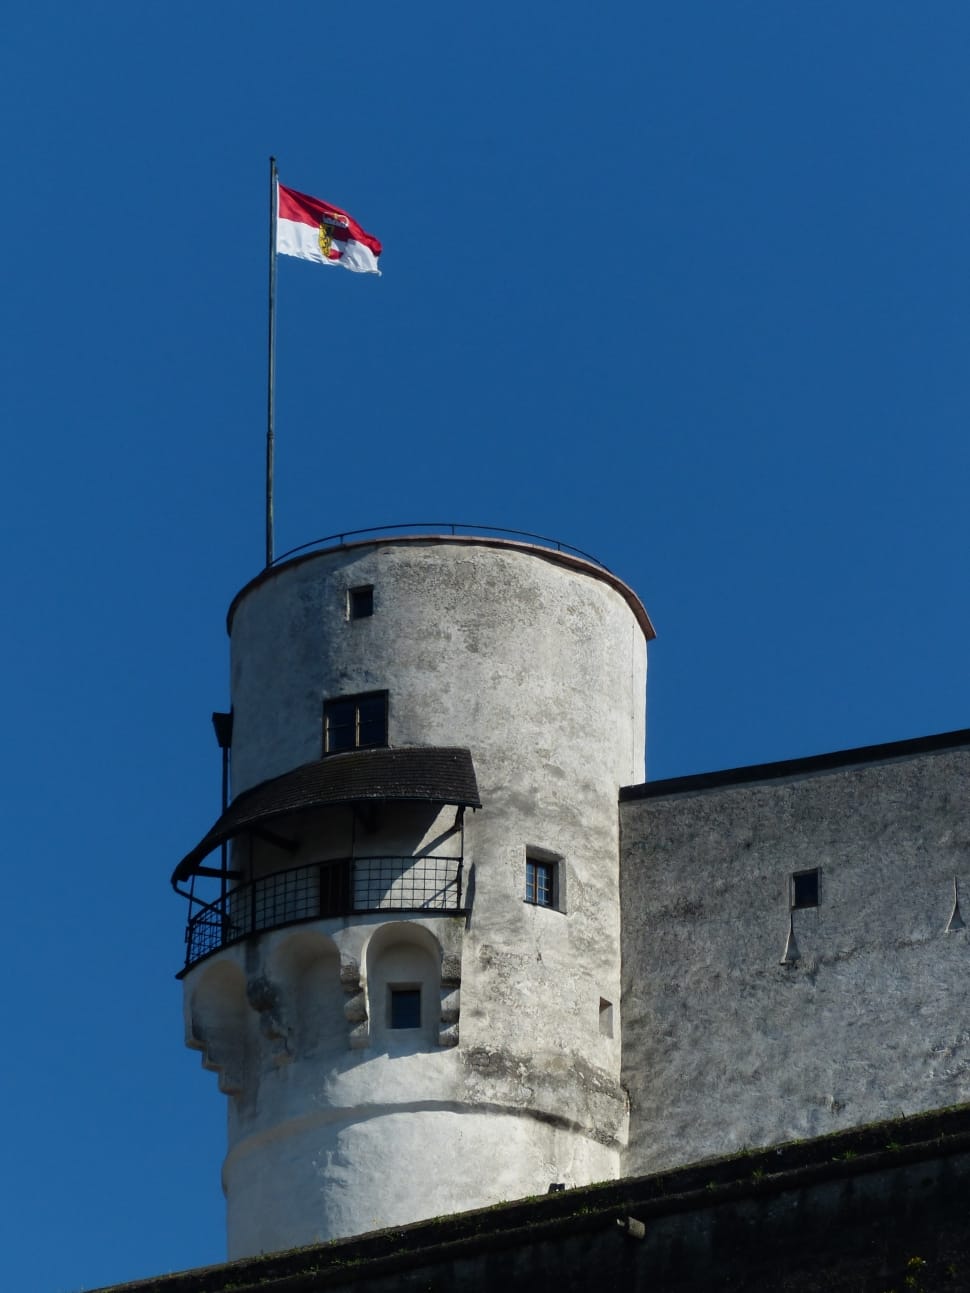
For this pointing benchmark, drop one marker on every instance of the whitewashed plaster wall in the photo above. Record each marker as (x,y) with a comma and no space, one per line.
(725,1047)
(538,666)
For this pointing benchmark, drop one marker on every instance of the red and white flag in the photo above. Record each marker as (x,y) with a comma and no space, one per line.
(315,230)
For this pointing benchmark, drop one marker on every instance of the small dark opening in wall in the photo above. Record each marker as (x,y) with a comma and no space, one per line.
(804,889)
(606,1017)
(360,602)
(405,1007)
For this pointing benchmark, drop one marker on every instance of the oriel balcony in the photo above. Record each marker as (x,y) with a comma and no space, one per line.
(369,831)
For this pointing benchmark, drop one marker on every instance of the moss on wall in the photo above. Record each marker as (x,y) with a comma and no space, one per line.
(880,1209)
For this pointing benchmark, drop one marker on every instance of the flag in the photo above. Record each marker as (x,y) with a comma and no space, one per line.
(315,230)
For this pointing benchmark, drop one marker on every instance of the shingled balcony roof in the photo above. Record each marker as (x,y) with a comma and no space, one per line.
(428,774)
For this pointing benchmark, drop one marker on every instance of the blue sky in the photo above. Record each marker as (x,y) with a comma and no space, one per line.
(684,285)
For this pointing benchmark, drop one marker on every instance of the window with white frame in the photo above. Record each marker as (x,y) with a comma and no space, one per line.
(544,879)
(539,882)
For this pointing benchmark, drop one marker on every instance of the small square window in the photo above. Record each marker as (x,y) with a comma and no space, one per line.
(360,602)
(540,882)
(405,1007)
(804,889)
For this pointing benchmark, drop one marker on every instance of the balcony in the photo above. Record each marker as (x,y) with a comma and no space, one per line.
(338,887)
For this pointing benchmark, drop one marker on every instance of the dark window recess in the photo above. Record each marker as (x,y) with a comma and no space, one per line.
(360,602)
(405,1007)
(223,728)
(606,1017)
(804,889)
(539,880)
(355,722)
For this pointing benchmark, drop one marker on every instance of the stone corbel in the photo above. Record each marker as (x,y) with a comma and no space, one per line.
(265,998)
(450,999)
(355,1007)
(223,1051)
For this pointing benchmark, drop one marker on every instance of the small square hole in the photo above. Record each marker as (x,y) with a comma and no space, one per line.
(804,889)
(360,602)
(405,1007)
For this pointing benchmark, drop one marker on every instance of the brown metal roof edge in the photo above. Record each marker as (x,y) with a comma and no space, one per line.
(482,541)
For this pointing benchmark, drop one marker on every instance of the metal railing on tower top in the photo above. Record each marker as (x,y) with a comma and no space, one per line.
(431,528)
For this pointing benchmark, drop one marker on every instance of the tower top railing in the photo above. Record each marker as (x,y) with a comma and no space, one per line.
(437,528)
(458,532)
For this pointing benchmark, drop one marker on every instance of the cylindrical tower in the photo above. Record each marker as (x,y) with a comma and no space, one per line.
(409,978)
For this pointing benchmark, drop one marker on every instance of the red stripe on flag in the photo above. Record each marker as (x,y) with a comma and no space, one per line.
(313,211)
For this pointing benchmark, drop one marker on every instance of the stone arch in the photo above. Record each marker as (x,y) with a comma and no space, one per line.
(217,1018)
(403,977)
(306,965)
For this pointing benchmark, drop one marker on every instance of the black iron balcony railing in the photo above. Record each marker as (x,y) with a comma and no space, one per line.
(339,887)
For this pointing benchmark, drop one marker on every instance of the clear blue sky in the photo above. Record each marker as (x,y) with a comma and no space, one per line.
(685,285)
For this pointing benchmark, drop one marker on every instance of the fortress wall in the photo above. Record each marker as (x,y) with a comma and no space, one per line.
(724,1047)
(879,1209)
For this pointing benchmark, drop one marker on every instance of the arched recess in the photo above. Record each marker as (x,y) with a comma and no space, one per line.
(403,963)
(307,966)
(217,1020)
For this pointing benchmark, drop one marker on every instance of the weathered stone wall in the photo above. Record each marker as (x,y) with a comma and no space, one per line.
(725,1047)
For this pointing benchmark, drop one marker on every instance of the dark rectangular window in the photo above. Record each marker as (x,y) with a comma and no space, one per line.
(405,1007)
(539,881)
(355,722)
(804,889)
(360,602)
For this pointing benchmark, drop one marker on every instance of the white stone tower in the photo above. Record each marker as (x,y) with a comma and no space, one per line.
(408,979)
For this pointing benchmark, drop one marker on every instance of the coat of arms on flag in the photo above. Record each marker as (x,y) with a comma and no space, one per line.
(315,230)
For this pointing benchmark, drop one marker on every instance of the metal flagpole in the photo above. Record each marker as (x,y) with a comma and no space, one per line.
(271,382)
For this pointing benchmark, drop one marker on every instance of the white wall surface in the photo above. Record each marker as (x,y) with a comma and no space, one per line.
(538,667)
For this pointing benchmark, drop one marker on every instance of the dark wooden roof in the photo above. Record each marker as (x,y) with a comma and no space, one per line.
(428,774)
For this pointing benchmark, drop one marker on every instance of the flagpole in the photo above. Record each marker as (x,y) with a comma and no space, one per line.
(271,375)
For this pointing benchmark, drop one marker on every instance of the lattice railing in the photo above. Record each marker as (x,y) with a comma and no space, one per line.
(338,887)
